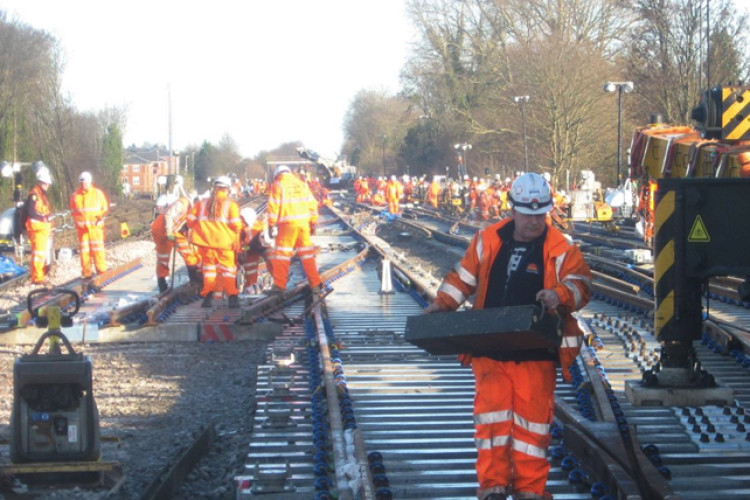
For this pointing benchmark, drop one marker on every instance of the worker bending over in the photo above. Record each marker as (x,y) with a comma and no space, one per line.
(215,227)
(170,229)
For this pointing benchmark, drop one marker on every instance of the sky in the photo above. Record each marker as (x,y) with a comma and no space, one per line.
(265,72)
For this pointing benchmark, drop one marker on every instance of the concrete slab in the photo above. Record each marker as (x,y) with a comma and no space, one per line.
(676,396)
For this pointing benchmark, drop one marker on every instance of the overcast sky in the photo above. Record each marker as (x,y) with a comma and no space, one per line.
(263,71)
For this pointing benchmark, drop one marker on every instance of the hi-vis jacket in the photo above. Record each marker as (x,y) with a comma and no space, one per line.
(38,209)
(88,207)
(290,201)
(219,230)
(565,272)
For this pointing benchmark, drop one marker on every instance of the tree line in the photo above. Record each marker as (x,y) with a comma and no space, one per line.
(475,61)
(470,64)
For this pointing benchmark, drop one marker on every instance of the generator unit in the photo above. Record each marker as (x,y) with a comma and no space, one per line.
(54,416)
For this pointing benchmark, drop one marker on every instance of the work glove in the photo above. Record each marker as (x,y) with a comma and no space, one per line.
(273,232)
(170,236)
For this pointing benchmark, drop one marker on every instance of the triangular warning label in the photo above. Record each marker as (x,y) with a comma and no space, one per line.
(698,233)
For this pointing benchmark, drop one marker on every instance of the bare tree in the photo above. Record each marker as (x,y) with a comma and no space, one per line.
(667,57)
(375,126)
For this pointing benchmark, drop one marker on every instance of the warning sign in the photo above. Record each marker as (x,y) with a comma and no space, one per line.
(698,233)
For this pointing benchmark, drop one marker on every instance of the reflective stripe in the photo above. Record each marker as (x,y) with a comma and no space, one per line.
(585,279)
(452,291)
(285,249)
(576,293)
(465,275)
(558,265)
(495,442)
(572,341)
(306,249)
(479,247)
(529,449)
(162,255)
(534,427)
(281,257)
(492,417)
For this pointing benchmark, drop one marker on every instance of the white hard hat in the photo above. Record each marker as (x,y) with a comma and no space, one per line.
(38,165)
(42,175)
(84,177)
(393,177)
(281,169)
(222,181)
(530,194)
(547,176)
(249,215)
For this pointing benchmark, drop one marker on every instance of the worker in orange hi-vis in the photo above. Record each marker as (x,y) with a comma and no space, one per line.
(292,216)
(215,226)
(393,191)
(170,229)
(88,206)
(38,226)
(433,192)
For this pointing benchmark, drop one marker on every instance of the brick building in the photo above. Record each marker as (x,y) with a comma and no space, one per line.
(142,168)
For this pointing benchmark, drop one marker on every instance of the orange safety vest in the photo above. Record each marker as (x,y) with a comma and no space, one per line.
(565,272)
(88,207)
(41,207)
(291,202)
(218,230)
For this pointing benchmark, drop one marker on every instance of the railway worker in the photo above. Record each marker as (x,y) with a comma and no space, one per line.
(433,192)
(363,196)
(170,229)
(38,225)
(520,260)
(292,217)
(88,206)
(393,192)
(215,226)
(254,244)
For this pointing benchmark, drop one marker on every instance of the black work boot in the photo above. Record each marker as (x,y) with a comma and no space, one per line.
(234,301)
(163,286)
(208,300)
(195,276)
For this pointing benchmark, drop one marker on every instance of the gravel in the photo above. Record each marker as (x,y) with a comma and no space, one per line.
(155,398)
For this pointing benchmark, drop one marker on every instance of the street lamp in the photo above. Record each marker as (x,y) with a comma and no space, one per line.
(462,164)
(620,87)
(521,100)
(384,138)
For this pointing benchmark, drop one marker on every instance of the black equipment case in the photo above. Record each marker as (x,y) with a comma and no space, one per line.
(485,331)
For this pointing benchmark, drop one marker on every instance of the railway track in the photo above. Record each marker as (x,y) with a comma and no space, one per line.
(413,410)
(347,409)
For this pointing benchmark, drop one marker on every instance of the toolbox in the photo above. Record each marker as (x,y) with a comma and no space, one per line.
(485,331)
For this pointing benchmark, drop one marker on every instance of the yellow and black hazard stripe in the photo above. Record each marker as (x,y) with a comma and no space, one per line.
(735,113)
(664,265)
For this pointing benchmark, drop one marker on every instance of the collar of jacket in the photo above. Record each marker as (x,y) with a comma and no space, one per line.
(555,242)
